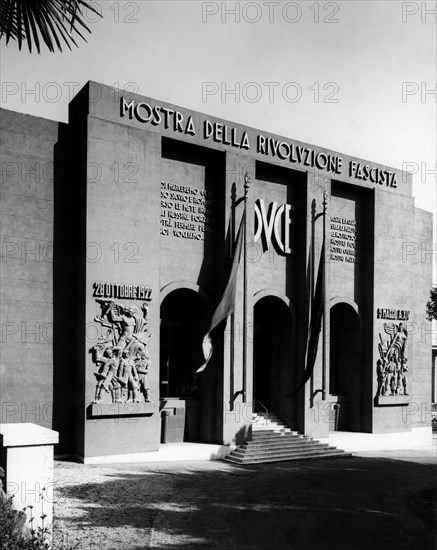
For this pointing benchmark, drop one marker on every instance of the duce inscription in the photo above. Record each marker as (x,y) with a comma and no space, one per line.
(274,224)
(186,211)
(345,240)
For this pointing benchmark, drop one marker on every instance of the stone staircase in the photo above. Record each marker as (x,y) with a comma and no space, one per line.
(273,441)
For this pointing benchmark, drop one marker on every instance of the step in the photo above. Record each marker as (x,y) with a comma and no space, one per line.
(264,419)
(294,444)
(267,421)
(269,435)
(282,444)
(267,459)
(264,453)
(273,441)
(284,452)
(271,429)
(270,422)
(234,460)
(258,448)
(270,415)
(290,450)
(278,438)
(274,432)
(282,439)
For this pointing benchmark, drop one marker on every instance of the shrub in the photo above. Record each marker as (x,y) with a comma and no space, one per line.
(16,535)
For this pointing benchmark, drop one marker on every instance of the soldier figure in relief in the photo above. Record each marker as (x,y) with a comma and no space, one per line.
(128,378)
(126,321)
(404,376)
(142,363)
(107,376)
(391,376)
(382,376)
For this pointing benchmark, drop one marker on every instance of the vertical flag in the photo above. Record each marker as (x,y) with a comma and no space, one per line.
(315,322)
(227,302)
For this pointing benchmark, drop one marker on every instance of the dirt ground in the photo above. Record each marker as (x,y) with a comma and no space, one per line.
(345,503)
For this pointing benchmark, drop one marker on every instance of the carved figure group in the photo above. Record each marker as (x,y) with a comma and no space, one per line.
(392,367)
(121,353)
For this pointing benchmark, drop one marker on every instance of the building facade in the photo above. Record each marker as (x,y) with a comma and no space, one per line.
(118,236)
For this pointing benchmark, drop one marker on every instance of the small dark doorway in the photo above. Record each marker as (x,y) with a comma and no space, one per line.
(272,356)
(184,316)
(346,368)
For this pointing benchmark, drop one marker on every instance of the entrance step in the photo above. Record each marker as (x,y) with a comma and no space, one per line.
(274,441)
(268,422)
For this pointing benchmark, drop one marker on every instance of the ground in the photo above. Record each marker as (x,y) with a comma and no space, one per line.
(351,503)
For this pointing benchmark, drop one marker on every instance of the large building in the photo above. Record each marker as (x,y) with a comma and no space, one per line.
(120,232)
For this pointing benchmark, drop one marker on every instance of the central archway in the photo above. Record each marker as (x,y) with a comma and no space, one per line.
(272,356)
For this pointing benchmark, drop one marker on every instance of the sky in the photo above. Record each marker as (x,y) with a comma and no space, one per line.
(355,77)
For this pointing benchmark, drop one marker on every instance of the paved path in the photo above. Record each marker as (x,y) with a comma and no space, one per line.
(356,503)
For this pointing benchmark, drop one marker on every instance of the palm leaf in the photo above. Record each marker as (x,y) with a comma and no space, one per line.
(49,21)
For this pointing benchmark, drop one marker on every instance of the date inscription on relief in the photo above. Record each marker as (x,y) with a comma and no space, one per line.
(128,292)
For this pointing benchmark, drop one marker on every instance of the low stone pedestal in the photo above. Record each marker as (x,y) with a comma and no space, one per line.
(381,400)
(26,454)
(173,420)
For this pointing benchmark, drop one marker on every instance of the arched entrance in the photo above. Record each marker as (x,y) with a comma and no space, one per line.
(184,316)
(272,357)
(346,367)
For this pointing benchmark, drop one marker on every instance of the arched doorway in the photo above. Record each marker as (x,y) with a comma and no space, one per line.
(184,317)
(272,357)
(346,367)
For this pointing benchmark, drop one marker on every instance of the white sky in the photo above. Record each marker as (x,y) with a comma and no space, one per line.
(364,58)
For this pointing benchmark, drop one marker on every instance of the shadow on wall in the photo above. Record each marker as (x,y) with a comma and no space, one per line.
(69,259)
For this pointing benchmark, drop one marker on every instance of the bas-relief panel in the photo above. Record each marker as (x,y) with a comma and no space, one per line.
(392,367)
(121,353)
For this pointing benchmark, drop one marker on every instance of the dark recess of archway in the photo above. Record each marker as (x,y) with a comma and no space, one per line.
(272,357)
(346,366)
(184,317)
(184,322)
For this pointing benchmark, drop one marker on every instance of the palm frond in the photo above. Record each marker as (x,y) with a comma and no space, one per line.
(49,21)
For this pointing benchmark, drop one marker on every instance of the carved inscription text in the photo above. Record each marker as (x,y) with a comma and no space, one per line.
(186,211)
(345,240)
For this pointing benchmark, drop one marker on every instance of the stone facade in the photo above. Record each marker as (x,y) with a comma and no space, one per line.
(117,238)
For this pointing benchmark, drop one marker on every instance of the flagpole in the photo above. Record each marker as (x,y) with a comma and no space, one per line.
(324,346)
(246,189)
(232,339)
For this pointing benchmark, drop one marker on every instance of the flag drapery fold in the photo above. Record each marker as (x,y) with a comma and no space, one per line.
(226,305)
(315,326)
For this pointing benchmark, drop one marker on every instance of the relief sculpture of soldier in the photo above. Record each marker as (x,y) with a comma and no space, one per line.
(107,376)
(381,372)
(392,367)
(128,378)
(126,335)
(142,363)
